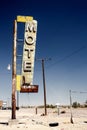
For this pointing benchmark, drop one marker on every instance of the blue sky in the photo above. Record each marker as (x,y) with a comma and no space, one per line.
(61,36)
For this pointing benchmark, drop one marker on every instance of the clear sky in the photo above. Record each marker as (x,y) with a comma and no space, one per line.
(61,36)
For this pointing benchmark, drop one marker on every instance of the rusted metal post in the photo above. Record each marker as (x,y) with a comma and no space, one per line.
(14,72)
(44,86)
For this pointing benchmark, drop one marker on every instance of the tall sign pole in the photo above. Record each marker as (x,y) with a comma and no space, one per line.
(14,73)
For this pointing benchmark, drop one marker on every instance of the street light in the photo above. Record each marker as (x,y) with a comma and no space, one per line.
(9,67)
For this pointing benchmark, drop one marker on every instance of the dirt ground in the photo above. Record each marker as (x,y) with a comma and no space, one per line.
(59,119)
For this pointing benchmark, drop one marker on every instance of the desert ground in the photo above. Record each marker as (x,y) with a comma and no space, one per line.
(27,119)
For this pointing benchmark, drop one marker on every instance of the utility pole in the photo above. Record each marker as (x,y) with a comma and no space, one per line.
(44,84)
(14,73)
(71,119)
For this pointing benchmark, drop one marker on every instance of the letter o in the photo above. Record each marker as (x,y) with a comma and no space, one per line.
(29,40)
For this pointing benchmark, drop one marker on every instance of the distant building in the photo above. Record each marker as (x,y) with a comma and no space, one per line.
(1,103)
(4,105)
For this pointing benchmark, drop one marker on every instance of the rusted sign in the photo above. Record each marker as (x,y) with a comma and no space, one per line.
(29,52)
(29,89)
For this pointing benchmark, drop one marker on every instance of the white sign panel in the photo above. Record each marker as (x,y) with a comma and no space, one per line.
(29,52)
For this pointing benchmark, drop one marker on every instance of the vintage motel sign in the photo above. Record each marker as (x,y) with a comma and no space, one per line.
(28,56)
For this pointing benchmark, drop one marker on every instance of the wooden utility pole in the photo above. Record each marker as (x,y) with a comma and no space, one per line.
(14,73)
(44,86)
(71,119)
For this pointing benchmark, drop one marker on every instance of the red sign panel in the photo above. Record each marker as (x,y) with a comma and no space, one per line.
(29,89)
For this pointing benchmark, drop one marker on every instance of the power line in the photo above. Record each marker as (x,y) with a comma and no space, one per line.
(67,56)
(79,91)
